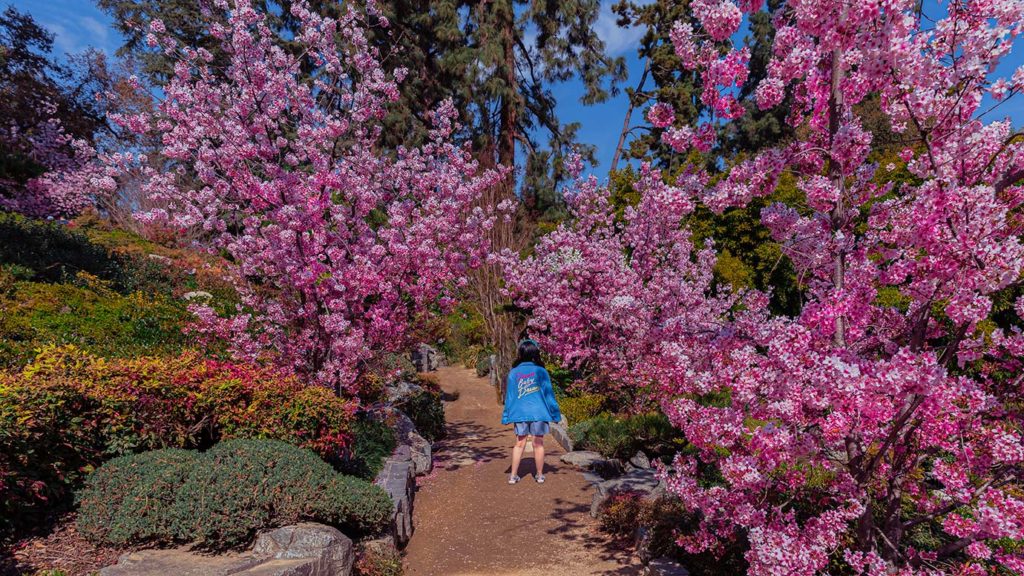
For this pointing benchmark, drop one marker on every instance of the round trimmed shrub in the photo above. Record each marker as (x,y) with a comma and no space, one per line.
(355,506)
(221,498)
(129,500)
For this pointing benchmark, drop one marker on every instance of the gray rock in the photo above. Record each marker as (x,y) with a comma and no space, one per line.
(179,561)
(197,295)
(643,481)
(583,459)
(420,450)
(302,550)
(324,551)
(161,259)
(560,432)
(425,358)
(665,567)
(640,460)
(400,391)
(593,478)
(642,540)
(492,372)
(398,479)
(609,468)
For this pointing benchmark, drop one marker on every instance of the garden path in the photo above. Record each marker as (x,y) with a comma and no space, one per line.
(469,521)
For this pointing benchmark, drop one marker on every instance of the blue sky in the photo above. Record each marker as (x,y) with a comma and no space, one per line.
(78,24)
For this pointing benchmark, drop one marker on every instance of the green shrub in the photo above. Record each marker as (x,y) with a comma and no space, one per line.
(69,411)
(576,409)
(372,443)
(621,436)
(129,500)
(223,497)
(427,412)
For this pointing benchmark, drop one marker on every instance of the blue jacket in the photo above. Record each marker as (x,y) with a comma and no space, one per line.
(529,396)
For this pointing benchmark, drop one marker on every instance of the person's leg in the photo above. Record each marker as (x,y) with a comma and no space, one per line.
(517,453)
(538,454)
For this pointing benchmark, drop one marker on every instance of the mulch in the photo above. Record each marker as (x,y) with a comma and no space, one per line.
(62,549)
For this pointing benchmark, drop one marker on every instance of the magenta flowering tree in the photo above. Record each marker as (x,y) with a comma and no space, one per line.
(881,430)
(339,244)
(629,296)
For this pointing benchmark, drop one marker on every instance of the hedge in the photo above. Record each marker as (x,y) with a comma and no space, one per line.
(221,498)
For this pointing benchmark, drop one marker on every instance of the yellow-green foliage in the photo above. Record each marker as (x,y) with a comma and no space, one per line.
(88,315)
(583,407)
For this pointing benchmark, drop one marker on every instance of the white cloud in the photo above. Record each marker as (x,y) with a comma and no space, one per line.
(618,40)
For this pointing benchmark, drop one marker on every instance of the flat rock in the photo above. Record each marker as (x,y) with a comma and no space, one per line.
(197,295)
(301,550)
(583,459)
(179,561)
(665,567)
(643,481)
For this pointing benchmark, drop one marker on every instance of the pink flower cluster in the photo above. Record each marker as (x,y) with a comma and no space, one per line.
(889,406)
(340,246)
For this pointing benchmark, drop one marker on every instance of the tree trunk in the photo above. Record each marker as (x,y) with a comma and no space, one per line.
(629,115)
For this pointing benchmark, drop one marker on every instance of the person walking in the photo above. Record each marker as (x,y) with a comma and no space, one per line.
(530,406)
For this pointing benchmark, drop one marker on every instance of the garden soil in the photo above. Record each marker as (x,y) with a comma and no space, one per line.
(469,521)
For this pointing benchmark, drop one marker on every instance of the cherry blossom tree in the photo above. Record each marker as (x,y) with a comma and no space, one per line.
(881,430)
(339,244)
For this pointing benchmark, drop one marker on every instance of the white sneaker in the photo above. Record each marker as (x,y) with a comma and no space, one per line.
(513,479)
(540,479)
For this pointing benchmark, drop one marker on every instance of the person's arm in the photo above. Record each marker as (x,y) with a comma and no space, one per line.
(548,390)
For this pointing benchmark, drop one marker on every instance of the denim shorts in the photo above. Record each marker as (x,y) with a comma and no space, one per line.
(532,428)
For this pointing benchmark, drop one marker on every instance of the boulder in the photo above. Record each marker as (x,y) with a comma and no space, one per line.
(323,550)
(560,432)
(398,479)
(420,449)
(400,391)
(640,460)
(643,481)
(582,459)
(665,567)
(301,550)
(425,358)
(161,259)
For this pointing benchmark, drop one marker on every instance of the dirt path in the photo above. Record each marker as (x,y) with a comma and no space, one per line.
(469,521)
